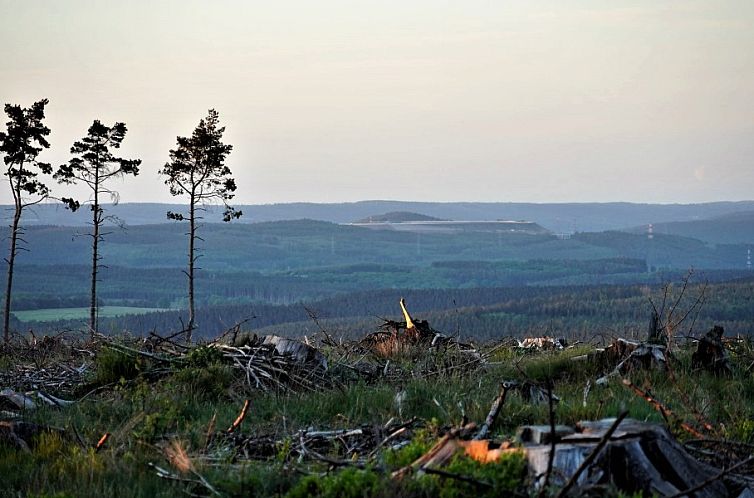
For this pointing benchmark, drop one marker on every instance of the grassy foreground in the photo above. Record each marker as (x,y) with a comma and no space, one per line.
(160,414)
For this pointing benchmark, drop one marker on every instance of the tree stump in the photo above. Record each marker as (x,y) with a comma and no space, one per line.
(710,353)
(639,458)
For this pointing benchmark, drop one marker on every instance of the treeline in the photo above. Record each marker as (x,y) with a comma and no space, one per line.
(66,286)
(579,314)
(481,313)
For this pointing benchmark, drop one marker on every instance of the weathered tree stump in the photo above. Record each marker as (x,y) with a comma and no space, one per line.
(639,458)
(627,455)
(710,353)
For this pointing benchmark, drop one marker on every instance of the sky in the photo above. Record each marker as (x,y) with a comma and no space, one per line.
(332,101)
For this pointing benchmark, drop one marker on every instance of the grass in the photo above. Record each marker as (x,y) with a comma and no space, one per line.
(145,414)
(55,314)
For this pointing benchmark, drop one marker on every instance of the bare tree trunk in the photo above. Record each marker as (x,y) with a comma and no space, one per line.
(95,255)
(192,236)
(11,260)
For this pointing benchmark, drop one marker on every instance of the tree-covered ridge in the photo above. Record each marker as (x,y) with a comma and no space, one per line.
(308,244)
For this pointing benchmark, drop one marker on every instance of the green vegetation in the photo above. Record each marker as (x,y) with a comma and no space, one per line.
(56,314)
(149,414)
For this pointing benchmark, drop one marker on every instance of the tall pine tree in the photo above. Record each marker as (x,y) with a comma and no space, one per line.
(95,166)
(197,170)
(21,144)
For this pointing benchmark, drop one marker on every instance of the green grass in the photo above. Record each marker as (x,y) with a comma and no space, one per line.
(145,413)
(55,314)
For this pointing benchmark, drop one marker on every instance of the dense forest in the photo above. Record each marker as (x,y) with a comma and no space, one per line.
(286,261)
(479,313)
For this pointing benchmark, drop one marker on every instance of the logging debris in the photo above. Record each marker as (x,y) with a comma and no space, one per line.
(543,343)
(22,435)
(623,356)
(356,446)
(632,456)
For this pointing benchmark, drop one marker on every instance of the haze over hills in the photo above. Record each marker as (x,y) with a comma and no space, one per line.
(557,217)
(733,228)
(397,217)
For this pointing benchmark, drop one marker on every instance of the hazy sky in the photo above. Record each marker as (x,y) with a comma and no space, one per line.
(559,100)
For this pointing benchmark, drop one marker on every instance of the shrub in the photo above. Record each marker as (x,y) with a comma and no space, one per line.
(114,366)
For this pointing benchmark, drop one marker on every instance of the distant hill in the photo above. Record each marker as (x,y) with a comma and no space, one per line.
(309,243)
(559,218)
(731,228)
(397,217)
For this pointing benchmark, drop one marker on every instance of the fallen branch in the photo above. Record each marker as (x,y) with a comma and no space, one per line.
(494,411)
(240,417)
(102,441)
(664,410)
(332,461)
(200,480)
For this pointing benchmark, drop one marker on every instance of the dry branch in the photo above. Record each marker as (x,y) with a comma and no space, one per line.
(240,417)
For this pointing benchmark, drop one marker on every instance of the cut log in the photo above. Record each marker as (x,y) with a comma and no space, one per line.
(12,400)
(301,352)
(541,434)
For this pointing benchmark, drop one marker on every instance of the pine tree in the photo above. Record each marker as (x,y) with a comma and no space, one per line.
(197,170)
(21,144)
(94,166)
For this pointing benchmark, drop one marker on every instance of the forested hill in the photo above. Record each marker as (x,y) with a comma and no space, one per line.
(732,228)
(557,217)
(311,244)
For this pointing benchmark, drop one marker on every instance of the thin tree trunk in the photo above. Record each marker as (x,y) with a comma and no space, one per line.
(192,236)
(93,300)
(95,246)
(11,260)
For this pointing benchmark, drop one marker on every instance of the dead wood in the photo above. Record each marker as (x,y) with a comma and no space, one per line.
(551,413)
(633,456)
(23,435)
(439,454)
(494,410)
(102,441)
(531,392)
(237,422)
(623,356)
(666,412)
(711,354)
(587,461)
(542,343)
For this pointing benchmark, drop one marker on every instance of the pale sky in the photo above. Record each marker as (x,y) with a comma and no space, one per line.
(328,101)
